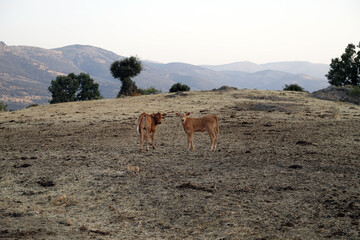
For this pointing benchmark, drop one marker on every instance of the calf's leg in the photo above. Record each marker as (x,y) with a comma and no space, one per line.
(212,139)
(141,139)
(147,140)
(153,140)
(215,143)
(190,141)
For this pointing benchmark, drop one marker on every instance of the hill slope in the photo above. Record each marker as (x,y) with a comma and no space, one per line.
(286,167)
(22,66)
(26,73)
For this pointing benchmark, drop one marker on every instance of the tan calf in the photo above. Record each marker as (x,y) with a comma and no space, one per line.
(146,125)
(208,123)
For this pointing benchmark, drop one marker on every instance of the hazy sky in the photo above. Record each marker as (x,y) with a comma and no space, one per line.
(191,31)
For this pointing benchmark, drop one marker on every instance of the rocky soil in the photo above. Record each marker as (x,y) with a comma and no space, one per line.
(286,167)
(334,93)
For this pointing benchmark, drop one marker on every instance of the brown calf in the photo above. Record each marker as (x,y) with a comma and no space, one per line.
(208,123)
(146,125)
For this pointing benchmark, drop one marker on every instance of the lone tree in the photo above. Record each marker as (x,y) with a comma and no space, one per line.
(346,69)
(125,70)
(74,87)
(178,87)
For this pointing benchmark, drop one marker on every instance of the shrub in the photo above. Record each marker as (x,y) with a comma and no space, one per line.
(355,91)
(3,107)
(133,94)
(225,88)
(149,91)
(178,87)
(293,87)
(334,112)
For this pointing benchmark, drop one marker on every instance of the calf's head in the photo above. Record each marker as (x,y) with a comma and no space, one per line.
(183,116)
(158,117)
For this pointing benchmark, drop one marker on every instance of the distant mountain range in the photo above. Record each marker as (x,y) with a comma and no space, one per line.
(26,73)
(295,67)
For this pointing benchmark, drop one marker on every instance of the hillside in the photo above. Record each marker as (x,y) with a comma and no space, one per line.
(286,167)
(26,73)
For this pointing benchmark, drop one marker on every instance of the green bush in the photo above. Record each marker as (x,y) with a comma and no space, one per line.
(355,91)
(178,87)
(149,91)
(3,107)
(293,87)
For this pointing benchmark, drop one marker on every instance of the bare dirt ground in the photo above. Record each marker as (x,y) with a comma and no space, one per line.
(286,167)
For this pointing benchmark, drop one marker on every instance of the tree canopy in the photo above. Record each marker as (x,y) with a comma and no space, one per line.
(124,70)
(88,89)
(74,87)
(346,69)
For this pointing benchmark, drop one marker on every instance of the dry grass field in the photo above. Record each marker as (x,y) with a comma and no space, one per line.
(286,167)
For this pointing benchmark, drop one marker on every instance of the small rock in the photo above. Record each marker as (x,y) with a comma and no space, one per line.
(46,183)
(301,142)
(133,169)
(83,228)
(25,165)
(295,166)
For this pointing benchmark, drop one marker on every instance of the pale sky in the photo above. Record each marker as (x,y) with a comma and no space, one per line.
(190,31)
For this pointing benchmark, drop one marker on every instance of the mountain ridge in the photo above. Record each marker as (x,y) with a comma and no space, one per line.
(317,70)
(26,73)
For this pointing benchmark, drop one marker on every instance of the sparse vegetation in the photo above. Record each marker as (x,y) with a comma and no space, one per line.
(74,87)
(3,107)
(224,88)
(149,91)
(355,91)
(33,105)
(293,87)
(334,112)
(178,87)
(346,69)
(124,70)
(343,94)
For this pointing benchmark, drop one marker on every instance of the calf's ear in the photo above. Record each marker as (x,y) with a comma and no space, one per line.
(188,114)
(177,114)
